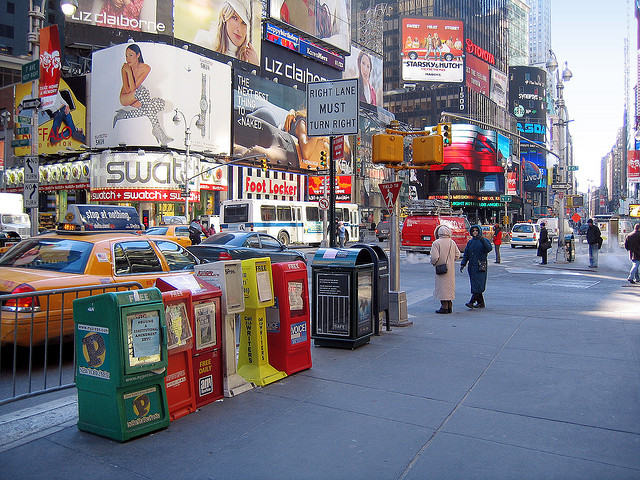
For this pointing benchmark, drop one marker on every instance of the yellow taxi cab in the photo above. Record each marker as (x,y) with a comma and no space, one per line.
(96,245)
(175,233)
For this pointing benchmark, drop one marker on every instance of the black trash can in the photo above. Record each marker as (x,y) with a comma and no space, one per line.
(570,247)
(342,297)
(381,284)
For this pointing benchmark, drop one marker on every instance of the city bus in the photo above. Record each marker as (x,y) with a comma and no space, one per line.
(289,222)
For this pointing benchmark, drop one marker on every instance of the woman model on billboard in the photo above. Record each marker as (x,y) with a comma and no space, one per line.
(134,94)
(367,92)
(229,34)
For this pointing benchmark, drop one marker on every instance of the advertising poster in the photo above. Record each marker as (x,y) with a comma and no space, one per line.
(534,173)
(151,16)
(271,119)
(504,149)
(142,84)
(62,125)
(472,148)
(499,86)
(327,20)
(477,75)
(229,27)
(50,65)
(318,185)
(432,50)
(633,166)
(365,293)
(367,68)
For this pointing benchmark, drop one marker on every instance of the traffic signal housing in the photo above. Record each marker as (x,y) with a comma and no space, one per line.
(428,150)
(323,159)
(388,149)
(444,130)
(265,164)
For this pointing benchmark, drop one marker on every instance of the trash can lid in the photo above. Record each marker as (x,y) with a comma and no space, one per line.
(344,257)
(375,250)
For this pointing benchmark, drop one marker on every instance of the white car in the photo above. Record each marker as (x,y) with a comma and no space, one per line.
(525,235)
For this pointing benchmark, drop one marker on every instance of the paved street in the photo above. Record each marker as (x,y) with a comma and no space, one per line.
(543,383)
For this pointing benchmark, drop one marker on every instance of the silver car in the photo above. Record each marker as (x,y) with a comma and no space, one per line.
(525,235)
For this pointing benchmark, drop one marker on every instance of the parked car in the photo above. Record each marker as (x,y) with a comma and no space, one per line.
(383,230)
(239,245)
(80,253)
(418,232)
(525,235)
(175,233)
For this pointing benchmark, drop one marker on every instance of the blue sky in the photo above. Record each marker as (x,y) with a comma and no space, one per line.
(589,35)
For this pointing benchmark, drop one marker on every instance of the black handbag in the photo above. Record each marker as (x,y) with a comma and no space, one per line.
(442,269)
(482,265)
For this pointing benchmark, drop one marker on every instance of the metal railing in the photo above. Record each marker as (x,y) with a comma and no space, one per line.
(48,367)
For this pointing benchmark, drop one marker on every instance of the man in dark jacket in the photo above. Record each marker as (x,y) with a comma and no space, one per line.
(594,239)
(632,243)
(542,247)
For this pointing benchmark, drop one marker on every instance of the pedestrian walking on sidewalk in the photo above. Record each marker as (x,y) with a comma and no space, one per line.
(594,239)
(444,253)
(342,231)
(475,254)
(497,240)
(632,243)
(544,244)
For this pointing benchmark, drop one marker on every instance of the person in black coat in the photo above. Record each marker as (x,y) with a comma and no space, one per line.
(475,254)
(594,239)
(544,238)
(632,243)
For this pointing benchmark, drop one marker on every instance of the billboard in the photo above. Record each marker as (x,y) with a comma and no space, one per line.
(633,166)
(50,65)
(61,126)
(367,68)
(291,41)
(141,84)
(292,69)
(319,187)
(499,87)
(528,94)
(472,148)
(271,119)
(477,77)
(230,27)
(328,21)
(534,172)
(432,50)
(151,16)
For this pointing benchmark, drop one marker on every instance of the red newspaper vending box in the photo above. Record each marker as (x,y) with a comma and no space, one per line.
(206,323)
(288,328)
(179,380)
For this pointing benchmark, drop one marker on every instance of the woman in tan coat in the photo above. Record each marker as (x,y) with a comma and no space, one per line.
(445,251)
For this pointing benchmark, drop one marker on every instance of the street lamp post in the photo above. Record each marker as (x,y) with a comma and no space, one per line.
(5,118)
(552,67)
(187,146)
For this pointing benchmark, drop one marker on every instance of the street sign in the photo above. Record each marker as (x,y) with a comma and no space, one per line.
(560,186)
(31,170)
(30,193)
(505,198)
(24,120)
(576,218)
(573,168)
(323,172)
(338,147)
(31,71)
(332,108)
(29,103)
(390,193)
(323,203)
(23,130)
(23,142)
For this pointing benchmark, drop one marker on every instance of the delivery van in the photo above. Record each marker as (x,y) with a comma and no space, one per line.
(12,215)
(553,226)
(418,232)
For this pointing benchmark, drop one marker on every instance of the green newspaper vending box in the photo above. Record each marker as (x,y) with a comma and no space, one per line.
(121,351)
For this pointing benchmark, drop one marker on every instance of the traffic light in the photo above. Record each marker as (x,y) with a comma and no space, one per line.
(428,150)
(388,149)
(265,164)
(323,159)
(444,130)
(556,177)
(183,191)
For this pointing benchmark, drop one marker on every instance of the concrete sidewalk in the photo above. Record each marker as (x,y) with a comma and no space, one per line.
(543,383)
